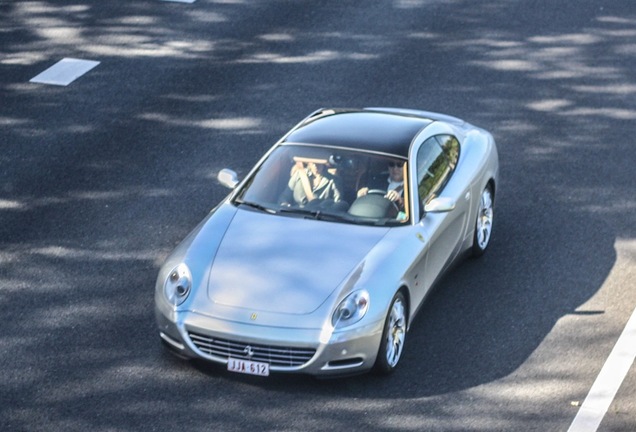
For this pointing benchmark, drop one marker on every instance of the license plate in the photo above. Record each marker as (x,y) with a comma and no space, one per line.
(248,367)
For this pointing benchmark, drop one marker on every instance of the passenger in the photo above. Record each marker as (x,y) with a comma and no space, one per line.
(309,184)
(391,182)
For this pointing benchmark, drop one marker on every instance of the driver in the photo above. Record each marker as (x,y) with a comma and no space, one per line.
(311,183)
(391,181)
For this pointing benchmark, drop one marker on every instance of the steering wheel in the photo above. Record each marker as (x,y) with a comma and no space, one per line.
(383,193)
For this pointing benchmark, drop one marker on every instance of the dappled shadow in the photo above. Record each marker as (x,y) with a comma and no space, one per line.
(100,179)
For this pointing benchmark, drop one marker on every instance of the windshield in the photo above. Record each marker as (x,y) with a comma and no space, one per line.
(330,184)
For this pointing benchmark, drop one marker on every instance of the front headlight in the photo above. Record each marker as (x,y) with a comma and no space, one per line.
(351,309)
(178,285)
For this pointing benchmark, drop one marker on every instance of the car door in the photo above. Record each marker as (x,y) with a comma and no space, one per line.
(443,231)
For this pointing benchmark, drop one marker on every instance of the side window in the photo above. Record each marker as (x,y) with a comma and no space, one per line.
(436,159)
(450,145)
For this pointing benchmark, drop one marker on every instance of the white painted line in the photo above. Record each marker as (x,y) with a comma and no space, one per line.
(180,1)
(608,381)
(64,72)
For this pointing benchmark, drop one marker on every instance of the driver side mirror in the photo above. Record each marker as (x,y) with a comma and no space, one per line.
(228,178)
(440,205)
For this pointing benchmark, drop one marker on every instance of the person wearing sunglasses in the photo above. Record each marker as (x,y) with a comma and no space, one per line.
(391,181)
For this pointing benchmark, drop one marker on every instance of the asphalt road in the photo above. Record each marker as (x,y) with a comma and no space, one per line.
(101,178)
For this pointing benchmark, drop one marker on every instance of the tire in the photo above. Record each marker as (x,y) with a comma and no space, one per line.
(393,336)
(483,222)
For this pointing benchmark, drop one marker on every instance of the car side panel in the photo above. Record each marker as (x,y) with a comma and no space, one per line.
(445,231)
(481,165)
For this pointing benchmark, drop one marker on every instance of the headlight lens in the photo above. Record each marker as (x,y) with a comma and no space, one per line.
(178,285)
(351,309)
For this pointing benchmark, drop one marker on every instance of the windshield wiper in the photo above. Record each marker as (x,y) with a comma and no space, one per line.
(316,214)
(255,206)
(301,211)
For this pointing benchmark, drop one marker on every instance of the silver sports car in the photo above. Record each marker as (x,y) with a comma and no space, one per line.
(320,257)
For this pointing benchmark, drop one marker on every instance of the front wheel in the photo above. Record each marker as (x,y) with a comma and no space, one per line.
(483,224)
(393,336)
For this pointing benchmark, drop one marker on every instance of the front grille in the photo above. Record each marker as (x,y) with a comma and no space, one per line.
(274,355)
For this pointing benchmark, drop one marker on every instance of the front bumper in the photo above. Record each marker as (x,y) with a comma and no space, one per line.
(349,351)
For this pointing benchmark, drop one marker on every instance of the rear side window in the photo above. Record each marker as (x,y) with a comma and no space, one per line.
(436,160)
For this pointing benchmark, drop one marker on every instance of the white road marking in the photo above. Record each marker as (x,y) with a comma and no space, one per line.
(608,381)
(64,72)
(180,1)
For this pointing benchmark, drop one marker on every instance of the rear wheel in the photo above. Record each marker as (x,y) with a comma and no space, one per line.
(483,224)
(393,336)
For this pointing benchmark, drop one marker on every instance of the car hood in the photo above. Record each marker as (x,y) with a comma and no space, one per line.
(285,265)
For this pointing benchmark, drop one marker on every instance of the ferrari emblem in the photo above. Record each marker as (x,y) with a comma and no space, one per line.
(249,352)
(253,316)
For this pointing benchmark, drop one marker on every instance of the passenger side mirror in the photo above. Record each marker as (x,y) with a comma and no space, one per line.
(440,205)
(228,178)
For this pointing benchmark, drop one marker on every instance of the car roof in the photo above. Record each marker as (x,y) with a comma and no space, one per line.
(374,130)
